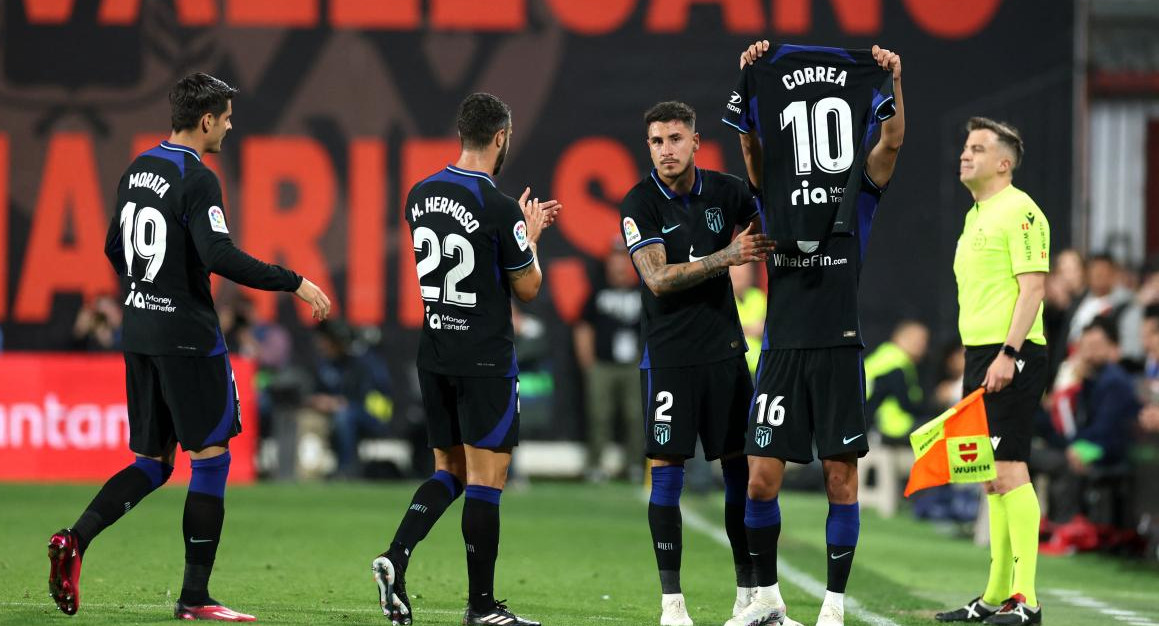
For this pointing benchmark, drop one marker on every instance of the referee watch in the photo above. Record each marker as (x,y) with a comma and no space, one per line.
(1009,351)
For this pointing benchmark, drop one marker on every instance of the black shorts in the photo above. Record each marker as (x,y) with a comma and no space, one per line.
(807,395)
(1010,412)
(478,411)
(188,399)
(708,400)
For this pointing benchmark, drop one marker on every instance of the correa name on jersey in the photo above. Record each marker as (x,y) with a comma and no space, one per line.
(819,74)
(440,204)
(149,180)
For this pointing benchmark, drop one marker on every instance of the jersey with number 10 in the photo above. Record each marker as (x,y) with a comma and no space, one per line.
(467,235)
(814,110)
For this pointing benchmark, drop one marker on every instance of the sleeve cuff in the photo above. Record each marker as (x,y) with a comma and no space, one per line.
(646,242)
(742,130)
(521,265)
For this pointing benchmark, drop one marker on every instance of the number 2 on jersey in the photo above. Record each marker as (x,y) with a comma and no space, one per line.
(665,399)
(426,243)
(821,150)
(143,233)
(772,413)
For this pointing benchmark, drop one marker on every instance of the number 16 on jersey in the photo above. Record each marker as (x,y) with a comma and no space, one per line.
(768,414)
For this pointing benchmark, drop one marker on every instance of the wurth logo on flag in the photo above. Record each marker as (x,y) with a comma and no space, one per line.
(968,451)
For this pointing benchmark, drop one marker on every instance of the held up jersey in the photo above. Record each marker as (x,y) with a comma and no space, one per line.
(814,110)
(167,234)
(467,235)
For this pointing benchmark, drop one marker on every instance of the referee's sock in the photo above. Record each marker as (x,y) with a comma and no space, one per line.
(481,536)
(122,492)
(430,501)
(736,479)
(204,516)
(1023,514)
(665,523)
(762,522)
(842,527)
(1001,558)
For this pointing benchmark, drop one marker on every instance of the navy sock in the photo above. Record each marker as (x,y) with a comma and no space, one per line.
(665,522)
(841,530)
(481,536)
(736,478)
(762,522)
(122,492)
(201,525)
(430,501)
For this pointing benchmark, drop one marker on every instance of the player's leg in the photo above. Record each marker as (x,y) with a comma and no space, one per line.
(628,394)
(489,417)
(151,438)
(600,395)
(842,527)
(430,500)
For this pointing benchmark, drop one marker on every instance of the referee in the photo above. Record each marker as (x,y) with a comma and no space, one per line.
(1001,263)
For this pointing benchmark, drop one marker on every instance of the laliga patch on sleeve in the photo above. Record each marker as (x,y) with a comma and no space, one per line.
(631,232)
(520,231)
(217,220)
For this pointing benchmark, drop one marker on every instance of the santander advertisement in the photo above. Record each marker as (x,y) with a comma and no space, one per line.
(63,418)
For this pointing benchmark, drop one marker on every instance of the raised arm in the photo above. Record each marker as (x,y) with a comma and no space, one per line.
(882,159)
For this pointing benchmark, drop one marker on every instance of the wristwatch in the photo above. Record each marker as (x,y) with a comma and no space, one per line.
(1009,351)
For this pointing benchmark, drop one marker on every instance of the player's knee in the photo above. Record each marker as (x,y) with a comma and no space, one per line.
(762,486)
(841,485)
(157,470)
(209,474)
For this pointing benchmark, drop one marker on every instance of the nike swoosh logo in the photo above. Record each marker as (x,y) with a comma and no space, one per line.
(668,229)
(848,440)
(191,540)
(692,258)
(838,556)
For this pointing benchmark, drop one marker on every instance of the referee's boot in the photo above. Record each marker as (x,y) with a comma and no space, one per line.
(1016,611)
(392,596)
(974,611)
(499,615)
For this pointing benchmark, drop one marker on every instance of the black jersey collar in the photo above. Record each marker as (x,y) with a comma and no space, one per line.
(462,172)
(180,148)
(697,185)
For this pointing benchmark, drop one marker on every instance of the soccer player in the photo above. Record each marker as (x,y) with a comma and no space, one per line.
(1001,264)
(474,246)
(809,386)
(168,234)
(678,224)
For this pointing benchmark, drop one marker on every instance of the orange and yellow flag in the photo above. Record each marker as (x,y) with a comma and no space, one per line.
(953,448)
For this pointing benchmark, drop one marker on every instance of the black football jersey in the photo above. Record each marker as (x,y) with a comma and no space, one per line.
(813,109)
(699,324)
(168,233)
(813,296)
(467,235)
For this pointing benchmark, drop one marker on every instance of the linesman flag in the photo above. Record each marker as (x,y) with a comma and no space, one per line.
(953,448)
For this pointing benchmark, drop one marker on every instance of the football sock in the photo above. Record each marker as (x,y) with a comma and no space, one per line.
(665,523)
(481,536)
(736,479)
(1023,515)
(122,492)
(430,501)
(842,527)
(204,516)
(762,522)
(1001,558)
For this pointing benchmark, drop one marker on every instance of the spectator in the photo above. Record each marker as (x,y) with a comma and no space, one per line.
(1149,386)
(98,325)
(1131,321)
(751,307)
(948,391)
(607,346)
(893,391)
(1105,296)
(1064,290)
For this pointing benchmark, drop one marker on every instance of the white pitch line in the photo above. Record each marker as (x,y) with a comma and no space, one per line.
(1076,598)
(794,576)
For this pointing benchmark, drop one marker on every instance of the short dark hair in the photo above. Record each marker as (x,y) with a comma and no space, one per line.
(670,111)
(1102,257)
(481,115)
(194,96)
(1007,135)
(1107,325)
(1151,312)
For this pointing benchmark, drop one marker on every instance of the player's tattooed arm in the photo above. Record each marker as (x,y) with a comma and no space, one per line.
(664,278)
(523,271)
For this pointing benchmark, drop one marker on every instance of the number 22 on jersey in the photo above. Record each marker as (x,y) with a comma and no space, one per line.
(426,243)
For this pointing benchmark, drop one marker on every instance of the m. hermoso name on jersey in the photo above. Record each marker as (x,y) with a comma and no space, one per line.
(439,204)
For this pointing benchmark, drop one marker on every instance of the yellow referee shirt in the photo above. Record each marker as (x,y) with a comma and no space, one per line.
(1004,236)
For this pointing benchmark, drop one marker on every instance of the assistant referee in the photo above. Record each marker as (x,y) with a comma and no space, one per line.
(1001,263)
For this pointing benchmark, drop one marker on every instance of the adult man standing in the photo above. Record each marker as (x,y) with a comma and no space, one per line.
(809,383)
(678,224)
(1001,264)
(474,247)
(169,233)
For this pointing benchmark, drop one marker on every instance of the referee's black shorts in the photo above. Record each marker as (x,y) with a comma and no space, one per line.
(1010,412)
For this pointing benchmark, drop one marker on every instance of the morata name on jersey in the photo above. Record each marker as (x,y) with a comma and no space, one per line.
(439,204)
(819,74)
(149,180)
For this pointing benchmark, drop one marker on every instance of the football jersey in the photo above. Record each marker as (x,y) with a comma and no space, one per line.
(813,109)
(812,298)
(168,233)
(699,324)
(467,235)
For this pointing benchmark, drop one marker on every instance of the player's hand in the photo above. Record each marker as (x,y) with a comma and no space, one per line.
(999,374)
(748,247)
(535,215)
(754,52)
(888,60)
(315,297)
